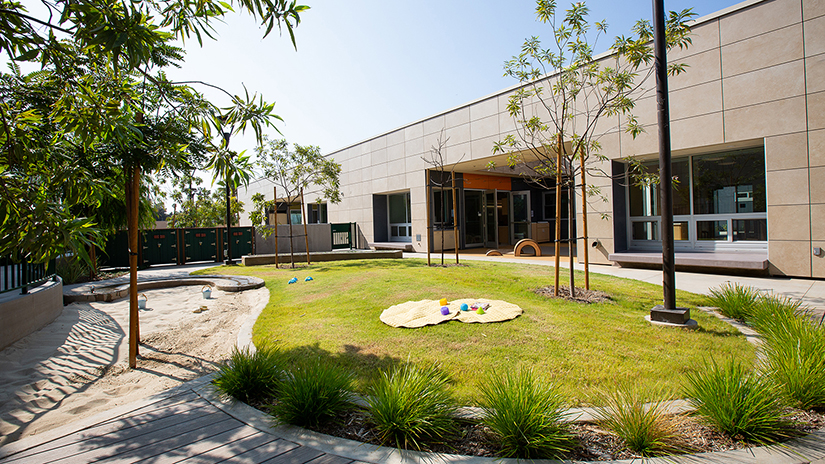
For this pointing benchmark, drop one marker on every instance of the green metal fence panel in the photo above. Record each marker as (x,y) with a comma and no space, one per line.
(159,247)
(341,236)
(116,253)
(200,245)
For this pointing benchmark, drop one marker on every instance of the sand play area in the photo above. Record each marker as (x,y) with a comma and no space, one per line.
(77,366)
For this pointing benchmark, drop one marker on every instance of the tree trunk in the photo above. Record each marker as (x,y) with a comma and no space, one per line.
(291,235)
(132,201)
(571,228)
(558,212)
(455,219)
(429,220)
(585,238)
(275,202)
(304,217)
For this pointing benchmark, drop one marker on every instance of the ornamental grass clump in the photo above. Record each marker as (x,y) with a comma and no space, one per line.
(738,402)
(794,348)
(526,415)
(734,301)
(251,377)
(313,392)
(643,426)
(410,405)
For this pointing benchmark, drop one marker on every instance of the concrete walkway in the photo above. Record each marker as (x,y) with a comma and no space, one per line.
(810,291)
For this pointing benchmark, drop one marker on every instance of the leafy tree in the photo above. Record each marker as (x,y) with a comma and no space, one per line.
(292,172)
(566,95)
(204,209)
(113,93)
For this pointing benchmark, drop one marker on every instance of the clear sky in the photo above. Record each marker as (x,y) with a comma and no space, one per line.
(369,66)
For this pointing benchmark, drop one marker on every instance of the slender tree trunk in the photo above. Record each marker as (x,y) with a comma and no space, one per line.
(585,238)
(443,218)
(291,235)
(275,201)
(455,219)
(429,220)
(558,212)
(571,228)
(304,217)
(132,201)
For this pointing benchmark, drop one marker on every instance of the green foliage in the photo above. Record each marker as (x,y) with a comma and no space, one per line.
(526,415)
(794,350)
(738,402)
(642,426)
(410,405)
(102,108)
(734,300)
(71,269)
(312,392)
(251,377)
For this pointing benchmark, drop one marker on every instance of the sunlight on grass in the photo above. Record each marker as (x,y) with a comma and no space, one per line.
(580,348)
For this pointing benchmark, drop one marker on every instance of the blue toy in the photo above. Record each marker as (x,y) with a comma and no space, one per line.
(464,307)
(308,279)
(445,310)
(293,280)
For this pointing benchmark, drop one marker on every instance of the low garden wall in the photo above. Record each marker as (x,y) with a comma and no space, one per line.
(22,315)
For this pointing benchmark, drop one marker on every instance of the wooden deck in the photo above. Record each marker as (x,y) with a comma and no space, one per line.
(180,428)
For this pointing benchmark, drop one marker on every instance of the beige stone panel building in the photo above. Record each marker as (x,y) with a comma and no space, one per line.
(748,138)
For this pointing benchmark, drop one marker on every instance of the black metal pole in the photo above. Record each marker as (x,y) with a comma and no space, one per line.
(665,171)
(228,260)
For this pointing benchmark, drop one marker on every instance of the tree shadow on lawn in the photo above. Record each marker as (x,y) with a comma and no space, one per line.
(355,359)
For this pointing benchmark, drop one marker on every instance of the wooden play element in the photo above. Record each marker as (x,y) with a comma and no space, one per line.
(493,253)
(526,242)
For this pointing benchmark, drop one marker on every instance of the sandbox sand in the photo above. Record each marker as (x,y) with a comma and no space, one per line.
(77,366)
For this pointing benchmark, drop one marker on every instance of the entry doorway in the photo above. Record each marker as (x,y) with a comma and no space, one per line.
(400,218)
(494,218)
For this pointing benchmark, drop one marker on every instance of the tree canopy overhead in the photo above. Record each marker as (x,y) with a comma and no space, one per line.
(102,109)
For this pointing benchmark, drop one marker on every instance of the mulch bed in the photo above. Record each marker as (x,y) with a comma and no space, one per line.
(581,295)
(594,443)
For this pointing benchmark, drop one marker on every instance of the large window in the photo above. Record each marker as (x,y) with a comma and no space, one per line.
(718,199)
(317,213)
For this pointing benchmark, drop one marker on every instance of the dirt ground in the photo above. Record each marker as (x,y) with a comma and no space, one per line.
(77,366)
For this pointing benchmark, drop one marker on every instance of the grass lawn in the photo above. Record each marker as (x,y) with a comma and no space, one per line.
(583,348)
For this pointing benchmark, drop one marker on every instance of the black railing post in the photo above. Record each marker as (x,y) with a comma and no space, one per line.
(25,277)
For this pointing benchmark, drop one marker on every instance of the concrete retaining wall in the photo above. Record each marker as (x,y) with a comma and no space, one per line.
(320,239)
(259,260)
(22,315)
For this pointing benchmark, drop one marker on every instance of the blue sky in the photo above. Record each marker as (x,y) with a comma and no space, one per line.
(365,67)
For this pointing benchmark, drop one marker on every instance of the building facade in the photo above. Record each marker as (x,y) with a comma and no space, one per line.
(748,138)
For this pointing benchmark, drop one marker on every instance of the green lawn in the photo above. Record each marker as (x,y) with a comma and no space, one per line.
(583,348)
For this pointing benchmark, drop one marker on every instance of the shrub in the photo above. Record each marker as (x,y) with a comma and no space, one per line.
(250,377)
(773,316)
(642,426)
(526,415)
(734,300)
(738,402)
(409,405)
(312,393)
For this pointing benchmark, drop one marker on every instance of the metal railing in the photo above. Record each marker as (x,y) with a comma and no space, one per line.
(22,275)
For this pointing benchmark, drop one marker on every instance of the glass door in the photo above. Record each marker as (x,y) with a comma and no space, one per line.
(490,220)
(473,218)
(399,217)
(520,207)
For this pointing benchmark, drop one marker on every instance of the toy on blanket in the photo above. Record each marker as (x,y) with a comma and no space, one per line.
(445,310)
(480,310)
(464,307)
(482,306)
(442,302)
